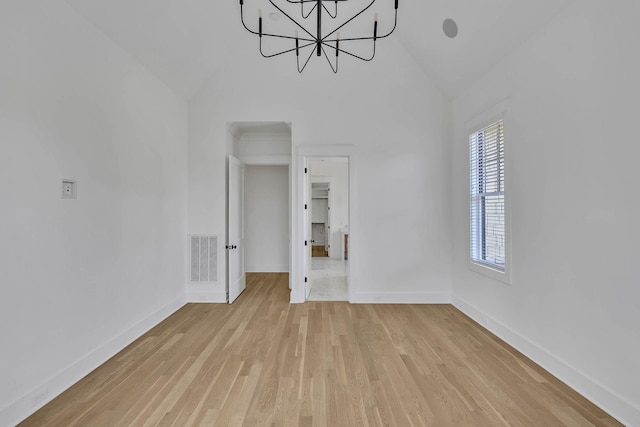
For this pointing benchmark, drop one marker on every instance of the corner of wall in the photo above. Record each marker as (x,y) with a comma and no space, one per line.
(26,405)
(626,412)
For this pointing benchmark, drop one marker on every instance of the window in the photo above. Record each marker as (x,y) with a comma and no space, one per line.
(487,216)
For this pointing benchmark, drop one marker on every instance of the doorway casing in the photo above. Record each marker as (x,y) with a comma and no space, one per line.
(298,293)
(268,151)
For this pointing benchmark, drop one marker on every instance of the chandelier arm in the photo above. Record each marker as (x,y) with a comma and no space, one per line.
(313,40)
(352,39)
(310,12)
(369,37)
(395,24)
(309,1)
(275,35)
(300,70)
(335,70)
(292,20)
(245,25)
(353,54)
(284,51)
(335,15)
(289,37)
(349,20)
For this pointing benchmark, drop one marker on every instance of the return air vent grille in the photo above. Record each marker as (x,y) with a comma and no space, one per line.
(204,259)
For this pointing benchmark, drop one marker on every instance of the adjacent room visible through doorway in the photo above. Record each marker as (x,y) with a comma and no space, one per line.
(329,228)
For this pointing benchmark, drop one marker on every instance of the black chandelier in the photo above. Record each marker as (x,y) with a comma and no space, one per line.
(319,42)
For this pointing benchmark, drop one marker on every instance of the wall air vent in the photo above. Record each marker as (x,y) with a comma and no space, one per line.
(204,259)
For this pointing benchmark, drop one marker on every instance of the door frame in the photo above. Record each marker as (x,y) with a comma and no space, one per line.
(263,159)
(297,216)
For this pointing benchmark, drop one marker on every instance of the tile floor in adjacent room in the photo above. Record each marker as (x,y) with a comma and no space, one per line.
(329,279)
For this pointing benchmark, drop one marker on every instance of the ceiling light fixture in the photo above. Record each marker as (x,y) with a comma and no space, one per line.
(314,39)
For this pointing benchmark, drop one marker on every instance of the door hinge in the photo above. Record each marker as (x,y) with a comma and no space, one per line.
(305,206)
(305,170)
(305,280)
(305,243)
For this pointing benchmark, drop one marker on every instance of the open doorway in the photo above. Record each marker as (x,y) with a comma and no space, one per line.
(301,222)
(258,201)
(329,216)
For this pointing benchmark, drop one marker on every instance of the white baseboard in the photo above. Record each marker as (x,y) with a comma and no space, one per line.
(215,297)
(207,292)
(295,298)
(262,268)
(26,405)
(402,298)
(618,407)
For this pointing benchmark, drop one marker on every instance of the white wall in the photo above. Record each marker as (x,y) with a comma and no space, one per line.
(264,147)
(81,278)
(572,147)
(266,218)
(319,210)
(399,124)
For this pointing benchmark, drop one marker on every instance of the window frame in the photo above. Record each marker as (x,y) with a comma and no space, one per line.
(481,121)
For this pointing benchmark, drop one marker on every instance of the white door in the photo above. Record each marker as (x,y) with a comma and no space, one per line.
(327,231)
(236,279)
(306,217)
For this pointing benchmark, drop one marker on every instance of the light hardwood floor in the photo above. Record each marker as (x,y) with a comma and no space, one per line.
(318,251)
(262,361)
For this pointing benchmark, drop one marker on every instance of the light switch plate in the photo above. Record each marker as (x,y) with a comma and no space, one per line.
(69,189)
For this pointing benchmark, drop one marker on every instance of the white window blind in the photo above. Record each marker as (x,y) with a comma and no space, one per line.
(486,158)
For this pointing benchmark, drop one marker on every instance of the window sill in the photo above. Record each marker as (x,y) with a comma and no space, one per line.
(501,276)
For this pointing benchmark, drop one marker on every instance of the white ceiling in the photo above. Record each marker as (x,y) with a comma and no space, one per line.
(184,42)
(488,31)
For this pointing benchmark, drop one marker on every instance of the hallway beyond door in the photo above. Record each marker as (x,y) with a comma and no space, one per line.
(329,280)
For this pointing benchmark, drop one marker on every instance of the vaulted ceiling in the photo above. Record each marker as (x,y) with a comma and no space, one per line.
(184,42)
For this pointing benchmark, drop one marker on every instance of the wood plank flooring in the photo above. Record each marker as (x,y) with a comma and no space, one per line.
(318,251)
(262,361)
